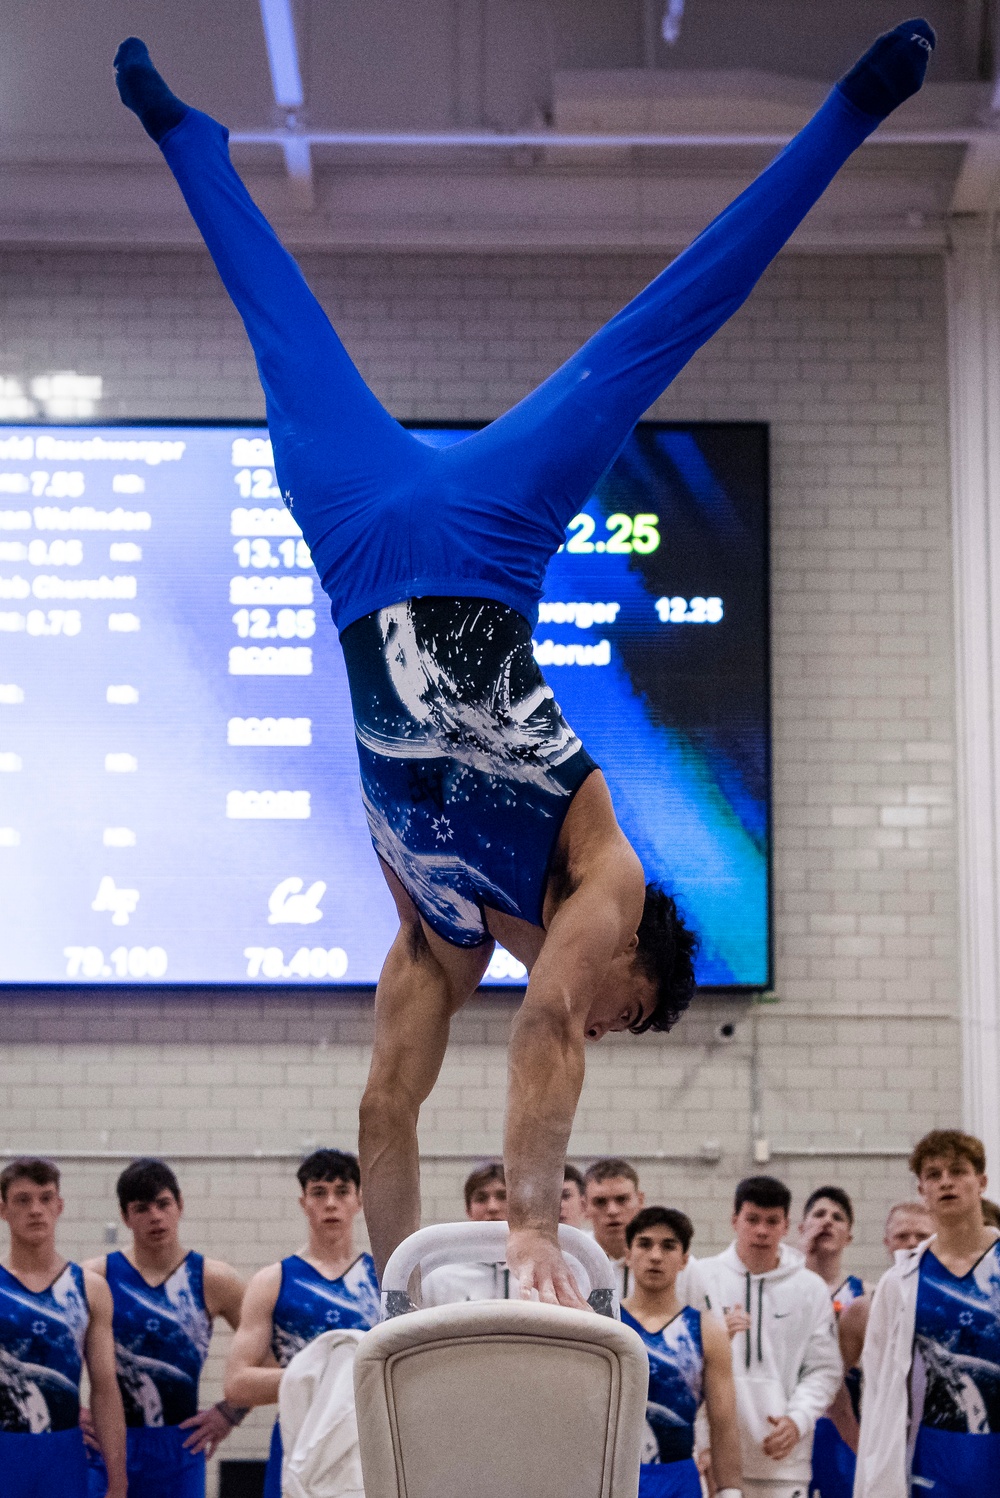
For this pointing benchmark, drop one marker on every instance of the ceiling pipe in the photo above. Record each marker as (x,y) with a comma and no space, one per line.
(557,140)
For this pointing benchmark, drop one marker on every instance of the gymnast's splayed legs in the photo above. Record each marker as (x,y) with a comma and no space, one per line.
(490,820)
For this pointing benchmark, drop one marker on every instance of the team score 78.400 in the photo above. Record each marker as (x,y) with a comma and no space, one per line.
(627,533)
(307,962)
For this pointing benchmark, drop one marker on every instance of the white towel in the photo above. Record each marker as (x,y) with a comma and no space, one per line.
(319,1430)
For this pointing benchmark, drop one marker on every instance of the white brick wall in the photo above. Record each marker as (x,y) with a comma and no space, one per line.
(845,358)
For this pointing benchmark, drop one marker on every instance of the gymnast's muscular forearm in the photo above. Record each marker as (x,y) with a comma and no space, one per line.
(545,1075)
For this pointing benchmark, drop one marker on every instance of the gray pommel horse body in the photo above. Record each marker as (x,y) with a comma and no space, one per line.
(499,1399)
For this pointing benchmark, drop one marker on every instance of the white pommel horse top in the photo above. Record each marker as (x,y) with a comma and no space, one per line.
(499,1399)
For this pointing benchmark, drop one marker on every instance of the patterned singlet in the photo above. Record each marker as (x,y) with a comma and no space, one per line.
(162,1334)
(309,1304)
(956,1347)
(676,1363)
(41,1352)
(468,766)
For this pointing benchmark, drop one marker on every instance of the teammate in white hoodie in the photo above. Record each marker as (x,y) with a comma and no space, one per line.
(786,1360)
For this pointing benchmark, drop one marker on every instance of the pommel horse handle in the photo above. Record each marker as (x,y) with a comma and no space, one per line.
(486,1243)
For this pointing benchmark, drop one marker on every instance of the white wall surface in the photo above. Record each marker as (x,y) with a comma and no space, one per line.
(845,357)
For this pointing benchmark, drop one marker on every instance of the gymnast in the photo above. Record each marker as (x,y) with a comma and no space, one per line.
(490,820)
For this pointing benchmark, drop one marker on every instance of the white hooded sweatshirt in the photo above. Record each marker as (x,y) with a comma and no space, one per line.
(788,1363)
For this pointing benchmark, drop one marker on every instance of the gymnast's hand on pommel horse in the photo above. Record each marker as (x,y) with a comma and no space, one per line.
(489,818)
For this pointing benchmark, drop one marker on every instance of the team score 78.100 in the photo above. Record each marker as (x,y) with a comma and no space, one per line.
(124,962)
(628,534)
(307,962)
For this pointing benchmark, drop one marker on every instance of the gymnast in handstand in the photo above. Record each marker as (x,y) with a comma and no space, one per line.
(490,820)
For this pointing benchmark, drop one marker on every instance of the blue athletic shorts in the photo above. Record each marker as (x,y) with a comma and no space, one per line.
(669,1480)
(50,1465)
(158,1465)
(275,1457)
(951,1464)
(833,1462)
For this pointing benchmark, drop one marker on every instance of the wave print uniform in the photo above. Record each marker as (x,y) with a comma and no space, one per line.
(390,519)
(676,1367)
(42,1337)
(162,1333)
(833,1461)
(956,1378)
(467,765)
(308,1305)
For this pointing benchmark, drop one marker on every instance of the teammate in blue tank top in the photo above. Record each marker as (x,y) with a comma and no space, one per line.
(932,1342)
(165,1300)
(54,1318)
(826,1230)
(326,1285)
(956,1340)
(490,820)
(689,1363)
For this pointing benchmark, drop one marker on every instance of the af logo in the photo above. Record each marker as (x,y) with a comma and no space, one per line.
(288,906)
(120,902)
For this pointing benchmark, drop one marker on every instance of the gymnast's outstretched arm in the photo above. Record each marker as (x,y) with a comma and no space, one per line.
(588,947)
(423,982)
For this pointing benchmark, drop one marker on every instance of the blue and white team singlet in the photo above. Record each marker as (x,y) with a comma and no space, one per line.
(833,1461)
(468,767)
(308,1305)
(42,1335)
(161,1334)
(676,1367)
(956,1379)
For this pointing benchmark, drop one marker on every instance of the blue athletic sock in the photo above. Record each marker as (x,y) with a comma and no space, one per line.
(891,70)
(143,90)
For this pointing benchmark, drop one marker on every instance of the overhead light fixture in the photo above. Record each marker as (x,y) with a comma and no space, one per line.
(282,53)
(673,15)
(289,95)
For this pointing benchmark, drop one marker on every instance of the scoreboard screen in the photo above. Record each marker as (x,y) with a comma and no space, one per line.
(178,778)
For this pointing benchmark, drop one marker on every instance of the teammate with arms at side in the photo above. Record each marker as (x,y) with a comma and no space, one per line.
(931,1361)
(786,1360)
(54,1318)
(826,1230)
(327,1285)
(689,1361)
(165,1300)
(489,817)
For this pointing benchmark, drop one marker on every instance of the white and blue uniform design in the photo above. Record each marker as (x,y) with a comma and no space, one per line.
(161,1334)
(42,1336)
(468,767)
(833,1461)
(676,1367)
(956,1379)
(308,1305)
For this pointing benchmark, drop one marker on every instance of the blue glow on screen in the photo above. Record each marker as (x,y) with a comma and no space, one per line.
(178,780)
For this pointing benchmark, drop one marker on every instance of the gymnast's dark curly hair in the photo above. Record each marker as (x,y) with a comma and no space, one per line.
(666,955)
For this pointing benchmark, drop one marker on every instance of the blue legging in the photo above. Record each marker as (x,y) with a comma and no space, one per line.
(386,516)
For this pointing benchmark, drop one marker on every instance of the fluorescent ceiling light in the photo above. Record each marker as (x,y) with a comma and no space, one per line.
(282,52)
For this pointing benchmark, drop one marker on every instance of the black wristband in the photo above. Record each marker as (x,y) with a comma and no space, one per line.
(234,1413)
